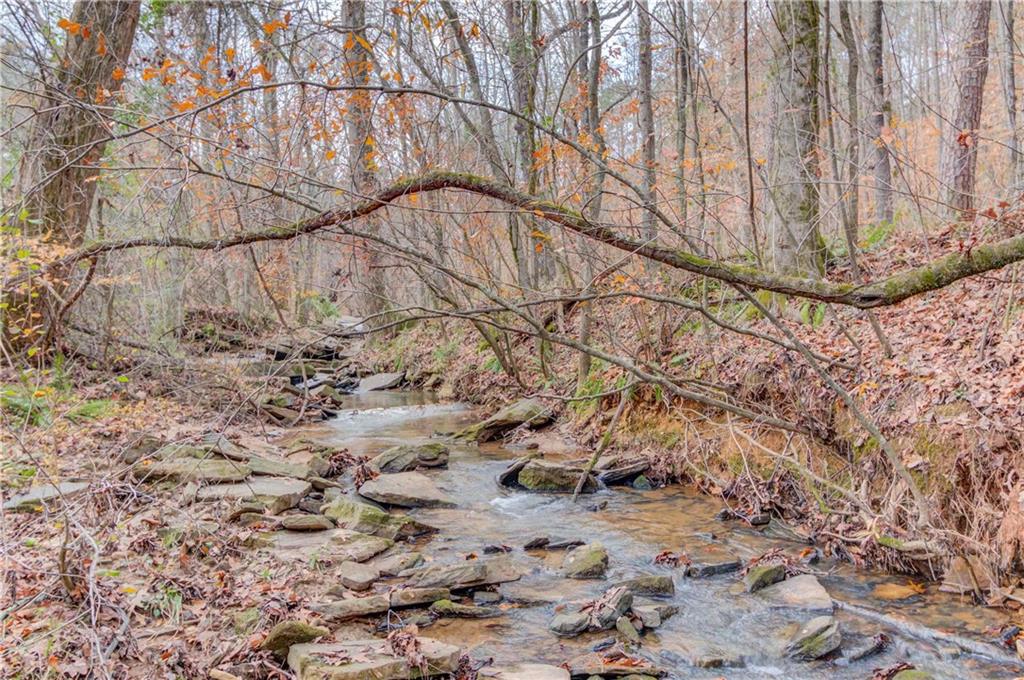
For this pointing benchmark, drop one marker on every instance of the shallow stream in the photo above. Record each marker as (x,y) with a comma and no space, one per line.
(715,619)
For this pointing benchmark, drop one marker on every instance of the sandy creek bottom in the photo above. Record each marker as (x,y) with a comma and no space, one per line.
(713,618)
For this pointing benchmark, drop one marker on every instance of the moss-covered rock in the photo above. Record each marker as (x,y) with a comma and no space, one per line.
(288,633)
(528,412)
(586,561)
(368,519)
(762,576)
(816,638)
(547,476)
(411,457)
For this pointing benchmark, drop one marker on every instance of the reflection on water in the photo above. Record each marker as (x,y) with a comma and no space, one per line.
(713,620)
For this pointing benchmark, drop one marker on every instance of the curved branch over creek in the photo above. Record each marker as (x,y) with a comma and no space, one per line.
(891,290)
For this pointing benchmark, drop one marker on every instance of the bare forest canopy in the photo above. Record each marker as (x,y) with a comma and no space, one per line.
(762,145)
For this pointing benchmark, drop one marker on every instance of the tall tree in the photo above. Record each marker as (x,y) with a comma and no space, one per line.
(851,211)
(646,97)
(71,132)
(880,115)
(362,153)
(960,158)
(523,20)
(682,86)
(797,247)
(1013,54)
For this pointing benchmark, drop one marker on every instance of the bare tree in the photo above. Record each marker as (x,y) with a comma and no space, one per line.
(1013,54)
(960,157)
(646,97)
(797,246)
(361,143)
(880,115)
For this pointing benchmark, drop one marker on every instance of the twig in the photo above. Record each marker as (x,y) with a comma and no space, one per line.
(605,440)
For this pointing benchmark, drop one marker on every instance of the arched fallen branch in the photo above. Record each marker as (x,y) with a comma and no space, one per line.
(891,290)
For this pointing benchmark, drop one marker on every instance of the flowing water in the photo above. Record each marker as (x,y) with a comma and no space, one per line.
(714,618)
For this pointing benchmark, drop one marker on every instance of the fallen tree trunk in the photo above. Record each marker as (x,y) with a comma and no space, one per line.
(891,290)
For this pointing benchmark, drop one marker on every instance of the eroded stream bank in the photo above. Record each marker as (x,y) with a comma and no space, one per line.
(718,630)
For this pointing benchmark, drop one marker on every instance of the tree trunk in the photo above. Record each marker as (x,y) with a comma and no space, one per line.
(880,116)
(1016,180)
(852,210)
(361,144)
(70,134)
(797,246)
(682,78)
(960,160)
(523,19)
(646,98)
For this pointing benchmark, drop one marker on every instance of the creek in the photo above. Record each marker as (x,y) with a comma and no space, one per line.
(716,620)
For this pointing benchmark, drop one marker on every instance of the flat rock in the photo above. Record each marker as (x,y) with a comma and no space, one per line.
(653,615)
(370,659)
(707,561)
(550,477)
(343,610)
(800,592)
(393,565)
(280,468)
(276,493)
(381,381)
(335,545)
(288,633)
(816,638)
(44,495)
(408,457)
(586,561)
(529,412)
(183,470)
(701,653)
(569,624)
(524,671)
(407,490)
(356,576)
(650,584)
(447,608)
(763,575)
(307,523)
(368,519)
(465,574)
(414,597)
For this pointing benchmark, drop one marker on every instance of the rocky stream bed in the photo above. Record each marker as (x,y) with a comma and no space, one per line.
(449,553)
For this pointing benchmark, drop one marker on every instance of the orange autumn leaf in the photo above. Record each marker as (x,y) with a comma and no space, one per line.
(149,73)
(182,107)
(330,154)
(262,70)
(86,32)
(101,45)
(118,73)
(229,54)
(362,41)
(69,26)
(274,25)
